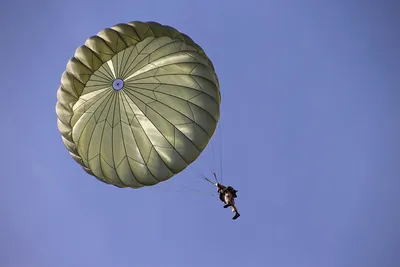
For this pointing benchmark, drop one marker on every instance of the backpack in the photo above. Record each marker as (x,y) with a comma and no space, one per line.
(232,191)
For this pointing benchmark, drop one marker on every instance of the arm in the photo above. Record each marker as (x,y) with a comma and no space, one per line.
(220,186)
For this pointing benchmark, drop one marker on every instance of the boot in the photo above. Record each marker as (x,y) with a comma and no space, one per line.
(236,216)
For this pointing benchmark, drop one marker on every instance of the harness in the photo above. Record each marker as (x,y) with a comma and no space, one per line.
(228,189)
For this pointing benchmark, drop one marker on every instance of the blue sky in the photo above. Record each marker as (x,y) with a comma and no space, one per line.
(310,137)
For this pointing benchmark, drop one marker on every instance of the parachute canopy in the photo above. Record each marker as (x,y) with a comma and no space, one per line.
(137,104)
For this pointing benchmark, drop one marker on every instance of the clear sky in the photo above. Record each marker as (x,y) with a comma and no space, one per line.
(310,137)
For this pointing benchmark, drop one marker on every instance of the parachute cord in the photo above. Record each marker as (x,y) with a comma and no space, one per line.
(213,149)
(208,180)
(220,144)
(215,176)
(186,190)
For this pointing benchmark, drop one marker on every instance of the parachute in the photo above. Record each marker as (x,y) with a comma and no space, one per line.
(137,104)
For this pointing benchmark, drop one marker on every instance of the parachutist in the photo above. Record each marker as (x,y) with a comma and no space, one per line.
(227,194)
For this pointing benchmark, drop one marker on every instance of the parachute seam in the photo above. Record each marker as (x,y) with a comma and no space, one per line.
(158,48)
(127,66)
(107,68)
(69,88)
(123,141)
(153,25)
(175,63)
(134,137)
(90,141)
(99,79)
(101,94)
(173,41)
(70,109)
(58,117)
(161,134)
(98,87)
(65,92)
(119,64)
(123,74)
(170,31)
(105,43)
(134,85)
(123,68)
(123,50)
(175,128)
(112,142)
(68,133)
(101,139)
(146,104)
(73,87)
(200,92)
(120,38)
(134,29)
(148,54)
(94,56)
(80,61)
(74,80)
(198,64)
(101,142)
(186,100)
(183,74)
(91,72)
(147,30)
(107,75)
(96,37)
(101,134)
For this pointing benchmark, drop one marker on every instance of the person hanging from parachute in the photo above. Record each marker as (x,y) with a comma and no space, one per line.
(227,194)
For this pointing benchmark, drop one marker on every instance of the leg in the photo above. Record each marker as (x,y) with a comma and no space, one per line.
(227,200)
(231,201)
(233,207)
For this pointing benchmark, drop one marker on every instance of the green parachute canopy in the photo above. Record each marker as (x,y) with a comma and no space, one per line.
(137,104)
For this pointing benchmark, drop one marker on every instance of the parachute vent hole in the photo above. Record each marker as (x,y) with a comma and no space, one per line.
(118,84)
